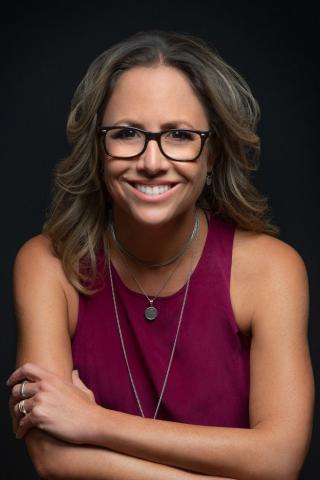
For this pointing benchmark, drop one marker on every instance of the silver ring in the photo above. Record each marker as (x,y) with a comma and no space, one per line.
(22,394)
(22,408)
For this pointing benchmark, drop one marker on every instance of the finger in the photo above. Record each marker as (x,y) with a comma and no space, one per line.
(30,389)
(23,426)
(12,403)
(11,406)
(28,371)
(13,417)
(28,405)
(15,423)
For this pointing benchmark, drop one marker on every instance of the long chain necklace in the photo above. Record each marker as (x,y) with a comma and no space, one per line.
(121,337)
(165,262)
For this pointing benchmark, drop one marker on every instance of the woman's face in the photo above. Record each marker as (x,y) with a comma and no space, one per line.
(154,99)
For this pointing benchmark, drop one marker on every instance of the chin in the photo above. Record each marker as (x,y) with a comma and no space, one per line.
(153,216)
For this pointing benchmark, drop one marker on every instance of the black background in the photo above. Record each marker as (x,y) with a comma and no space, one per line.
(46,49)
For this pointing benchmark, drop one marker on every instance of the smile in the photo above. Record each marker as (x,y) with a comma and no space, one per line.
(152,190)
(153,193)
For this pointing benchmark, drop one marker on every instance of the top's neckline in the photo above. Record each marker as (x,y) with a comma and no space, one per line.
(201,261)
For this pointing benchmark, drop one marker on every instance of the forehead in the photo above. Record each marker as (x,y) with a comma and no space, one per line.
(155,94)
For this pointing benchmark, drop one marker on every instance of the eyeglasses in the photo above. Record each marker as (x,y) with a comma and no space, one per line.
(176,144)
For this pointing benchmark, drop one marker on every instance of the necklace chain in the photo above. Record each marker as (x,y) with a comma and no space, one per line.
(152,300)
(159,264)
(121,337)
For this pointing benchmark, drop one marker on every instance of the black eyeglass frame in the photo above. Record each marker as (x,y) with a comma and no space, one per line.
(102,131)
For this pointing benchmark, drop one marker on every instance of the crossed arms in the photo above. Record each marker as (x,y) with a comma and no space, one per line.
(115,445)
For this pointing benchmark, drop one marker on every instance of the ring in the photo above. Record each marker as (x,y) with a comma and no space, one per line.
(22,394)
(22,408)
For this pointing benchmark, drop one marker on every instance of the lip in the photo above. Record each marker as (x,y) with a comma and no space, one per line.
(157,183)
(154,198)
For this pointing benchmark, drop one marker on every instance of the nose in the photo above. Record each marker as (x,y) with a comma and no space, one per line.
(152,161)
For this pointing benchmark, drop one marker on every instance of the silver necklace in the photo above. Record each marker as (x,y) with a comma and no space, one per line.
(165,262)
(151,311)
(121,337)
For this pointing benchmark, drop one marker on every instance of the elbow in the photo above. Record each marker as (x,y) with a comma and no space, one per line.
(280,460)
(274,469)
(290,463)
(43,451)
(281,470)
(291,457)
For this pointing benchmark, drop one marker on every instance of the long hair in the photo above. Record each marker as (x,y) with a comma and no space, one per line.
(77,219)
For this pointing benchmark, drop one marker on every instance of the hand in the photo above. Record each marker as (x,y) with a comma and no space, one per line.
(62,408)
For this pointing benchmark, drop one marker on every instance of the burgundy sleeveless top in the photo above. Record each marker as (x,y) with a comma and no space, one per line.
(208,383)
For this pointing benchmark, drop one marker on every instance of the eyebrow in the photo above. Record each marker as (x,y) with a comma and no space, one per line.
(167,125)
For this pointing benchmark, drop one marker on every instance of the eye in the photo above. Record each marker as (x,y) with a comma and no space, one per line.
(124,134)
(180,135)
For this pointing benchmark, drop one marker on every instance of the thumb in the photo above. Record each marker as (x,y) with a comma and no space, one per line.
(76,380)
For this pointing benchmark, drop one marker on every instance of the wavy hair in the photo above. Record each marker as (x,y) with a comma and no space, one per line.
(77,218)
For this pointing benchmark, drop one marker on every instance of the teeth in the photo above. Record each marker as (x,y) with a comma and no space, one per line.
(156,190)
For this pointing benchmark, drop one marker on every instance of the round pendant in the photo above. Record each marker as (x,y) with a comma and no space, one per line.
(151,313)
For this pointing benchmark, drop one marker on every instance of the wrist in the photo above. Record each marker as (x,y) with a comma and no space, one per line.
(95,420)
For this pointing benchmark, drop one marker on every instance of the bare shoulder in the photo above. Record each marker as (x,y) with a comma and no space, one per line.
(262,251)
(38,251)
(263,265)
(36,263)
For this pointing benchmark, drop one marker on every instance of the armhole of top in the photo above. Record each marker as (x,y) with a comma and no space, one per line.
(83,299)
(233,322)
(79,318)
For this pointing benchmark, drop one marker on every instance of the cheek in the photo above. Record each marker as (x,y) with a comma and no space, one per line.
(111,173)
(200,182)
(109,178)
(197,176)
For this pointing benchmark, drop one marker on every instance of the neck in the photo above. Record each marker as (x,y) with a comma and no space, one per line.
(153,243)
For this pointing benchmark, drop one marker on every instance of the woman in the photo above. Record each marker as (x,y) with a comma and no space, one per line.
(159,277)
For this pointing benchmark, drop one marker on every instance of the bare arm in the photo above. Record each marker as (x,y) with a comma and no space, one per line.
(85,462)
(43,338)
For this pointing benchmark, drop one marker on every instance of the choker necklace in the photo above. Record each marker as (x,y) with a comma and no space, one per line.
(121,336)
(165,262)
